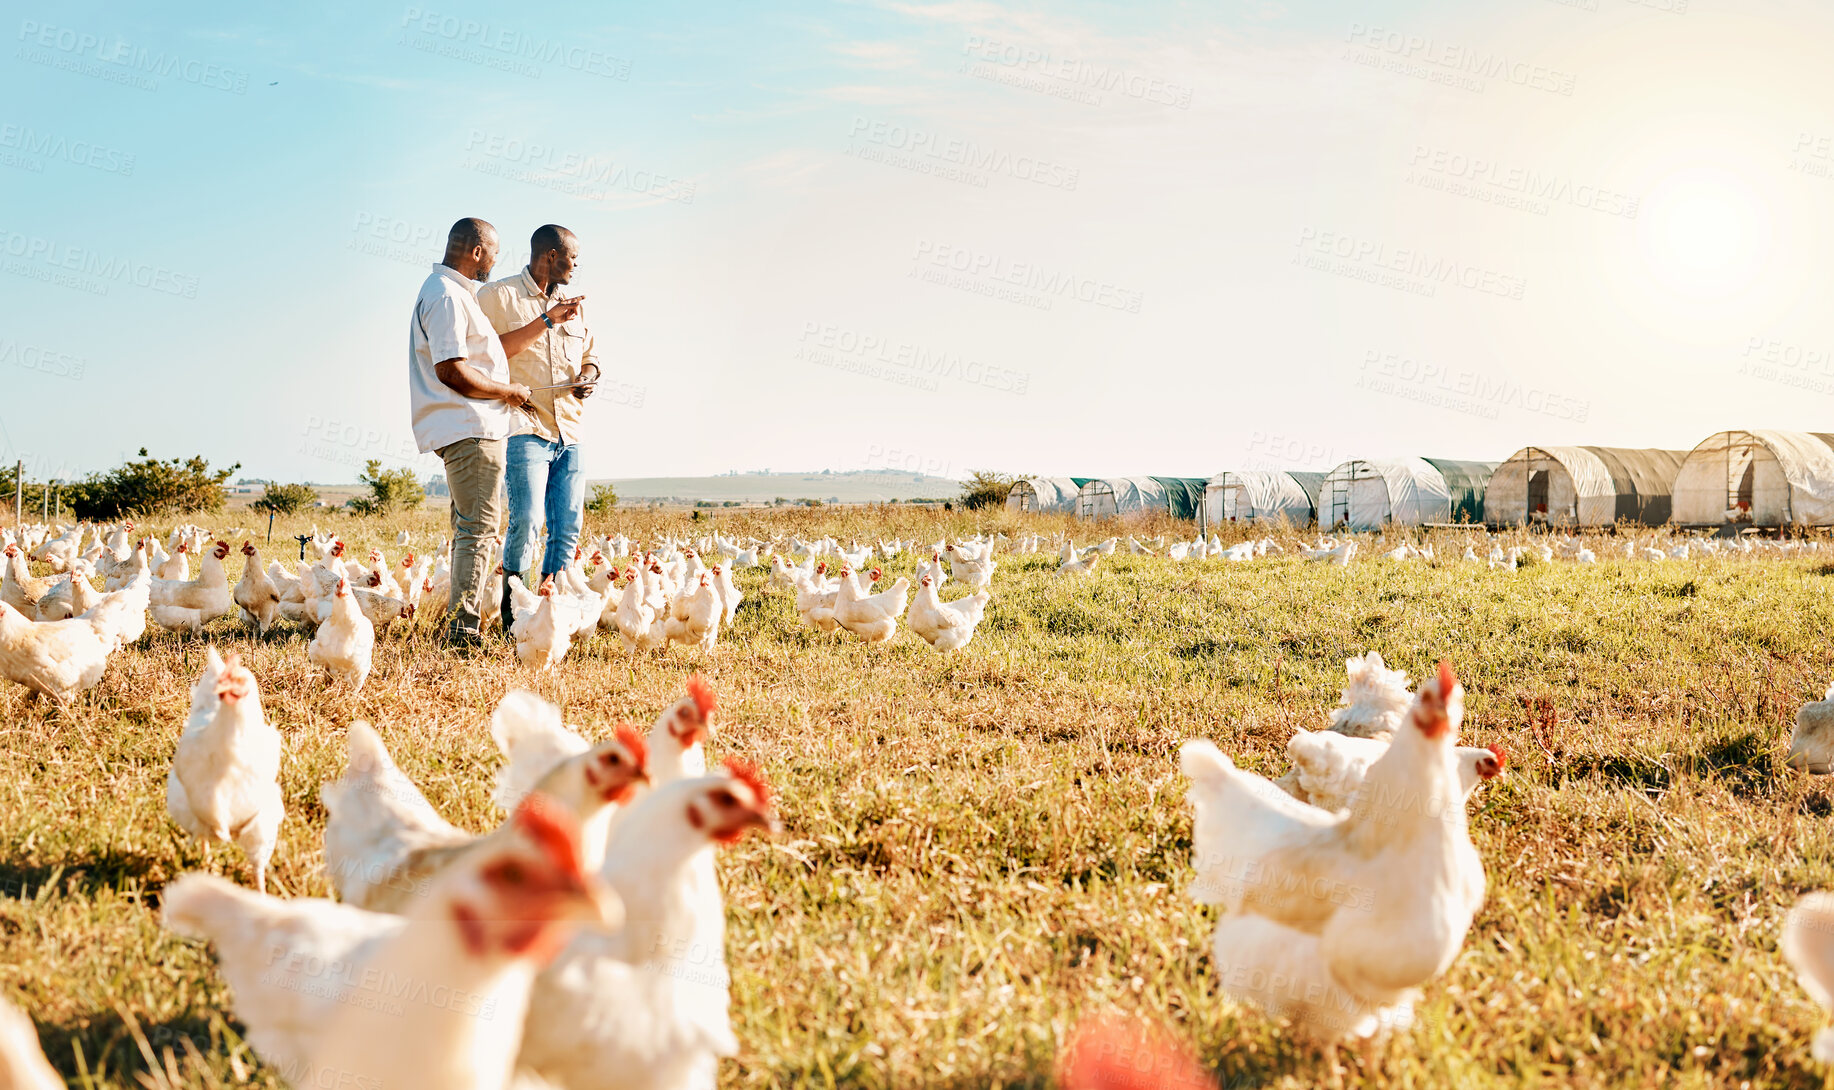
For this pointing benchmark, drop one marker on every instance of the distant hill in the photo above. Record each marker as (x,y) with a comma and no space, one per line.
(857,486)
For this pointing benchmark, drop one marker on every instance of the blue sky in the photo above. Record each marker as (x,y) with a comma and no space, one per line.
(1077,239)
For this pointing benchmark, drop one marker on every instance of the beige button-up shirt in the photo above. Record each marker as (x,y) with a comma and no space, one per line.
(558,355)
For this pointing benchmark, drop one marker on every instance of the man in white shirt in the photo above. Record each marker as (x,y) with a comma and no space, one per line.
(462,397)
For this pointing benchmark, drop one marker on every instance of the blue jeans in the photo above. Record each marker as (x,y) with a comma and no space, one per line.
(543,477)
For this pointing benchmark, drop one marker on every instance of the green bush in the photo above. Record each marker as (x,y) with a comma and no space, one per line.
(604,497)
(286,499)
(390,490)
(150,488)
(984,488)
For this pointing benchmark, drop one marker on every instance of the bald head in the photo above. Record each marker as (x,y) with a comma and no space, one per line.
(553,254)
(471,248)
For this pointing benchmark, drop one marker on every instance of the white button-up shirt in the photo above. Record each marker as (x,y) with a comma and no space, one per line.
(447,324)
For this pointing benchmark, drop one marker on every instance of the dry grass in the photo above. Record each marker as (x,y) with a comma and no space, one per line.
(981,848)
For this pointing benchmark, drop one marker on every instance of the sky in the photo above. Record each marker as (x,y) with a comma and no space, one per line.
(1061,239)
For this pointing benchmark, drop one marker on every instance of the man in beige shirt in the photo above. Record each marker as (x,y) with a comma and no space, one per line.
(544,475)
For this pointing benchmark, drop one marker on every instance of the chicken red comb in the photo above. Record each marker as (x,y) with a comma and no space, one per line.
(1502,761)
(874,575)
(1111,1054)
(248,548)
(701,692)
(551,829)
(747,773)
(633,740)
(1447,679)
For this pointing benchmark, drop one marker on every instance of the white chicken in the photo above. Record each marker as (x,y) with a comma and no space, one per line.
(19,588)
(873,618)
(255,592)
(190,605)
(1079,564)
(544,633)
(312,977)
(57,658)
(663,971)
(1808,944)
(1375,698)
(69,596)
(945,626)
(22,1062)
(638,626)
(385,844)
(224,783)
(1811,743)
(815,599)
(730,595)
(1336,920)
(695,615)
(345,640)
(376,817)
(1329,767)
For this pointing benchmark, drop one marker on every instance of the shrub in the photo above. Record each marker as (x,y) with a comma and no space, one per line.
(984,488)
(604,497)
(286,499)
(390,490)
(150,488)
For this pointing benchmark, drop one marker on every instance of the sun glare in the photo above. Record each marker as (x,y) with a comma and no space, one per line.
(1704,233)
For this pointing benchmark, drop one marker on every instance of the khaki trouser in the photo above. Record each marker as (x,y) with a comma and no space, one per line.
(474,475)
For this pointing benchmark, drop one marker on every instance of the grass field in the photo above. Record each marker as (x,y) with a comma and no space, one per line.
(981,848)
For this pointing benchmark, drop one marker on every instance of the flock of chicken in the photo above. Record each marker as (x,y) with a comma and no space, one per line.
(1480,547)
(581,943)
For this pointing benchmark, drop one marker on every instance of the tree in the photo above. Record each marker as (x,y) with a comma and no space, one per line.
(150,488)
(604,497)
(390,490)
(984,488)
(286,499)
